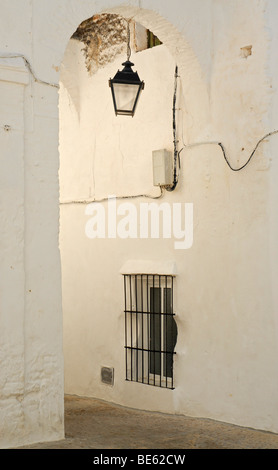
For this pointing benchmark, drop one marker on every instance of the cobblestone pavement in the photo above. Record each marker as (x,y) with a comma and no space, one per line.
(94,424)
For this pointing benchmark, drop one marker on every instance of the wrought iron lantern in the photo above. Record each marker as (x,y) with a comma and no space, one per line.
(126,87)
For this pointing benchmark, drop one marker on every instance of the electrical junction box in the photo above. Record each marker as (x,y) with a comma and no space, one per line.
(162,167)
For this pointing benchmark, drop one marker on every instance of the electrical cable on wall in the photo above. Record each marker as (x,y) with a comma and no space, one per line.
(29,67)
(224,152)
(252,154)
(89,201)
(177,153)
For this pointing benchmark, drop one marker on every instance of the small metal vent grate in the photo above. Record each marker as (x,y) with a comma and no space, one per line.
(107,375)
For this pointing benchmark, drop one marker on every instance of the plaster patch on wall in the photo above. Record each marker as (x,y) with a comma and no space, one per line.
(104,37)
(245,51)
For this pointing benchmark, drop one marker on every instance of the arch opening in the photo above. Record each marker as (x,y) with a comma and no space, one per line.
(102,155)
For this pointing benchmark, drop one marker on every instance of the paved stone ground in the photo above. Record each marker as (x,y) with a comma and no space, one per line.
(94,424)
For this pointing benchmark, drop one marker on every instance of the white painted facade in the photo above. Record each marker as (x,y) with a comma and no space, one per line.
(225,286)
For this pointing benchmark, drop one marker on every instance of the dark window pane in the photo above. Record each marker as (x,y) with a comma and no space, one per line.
(155,330)
(170,333)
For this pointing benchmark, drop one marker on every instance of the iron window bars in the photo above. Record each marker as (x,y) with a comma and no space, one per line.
(150,329)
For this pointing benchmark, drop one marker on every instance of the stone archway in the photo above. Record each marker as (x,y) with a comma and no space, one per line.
(192,72)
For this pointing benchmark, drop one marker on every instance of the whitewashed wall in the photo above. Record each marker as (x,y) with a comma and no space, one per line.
(225,366)
(226,287)
(31,377)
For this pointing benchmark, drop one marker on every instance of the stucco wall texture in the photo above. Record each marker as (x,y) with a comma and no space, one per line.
(226,296)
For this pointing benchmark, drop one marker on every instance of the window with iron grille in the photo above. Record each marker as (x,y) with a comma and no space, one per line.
(150,329)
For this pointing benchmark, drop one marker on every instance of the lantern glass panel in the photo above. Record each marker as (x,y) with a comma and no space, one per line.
(125,96)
